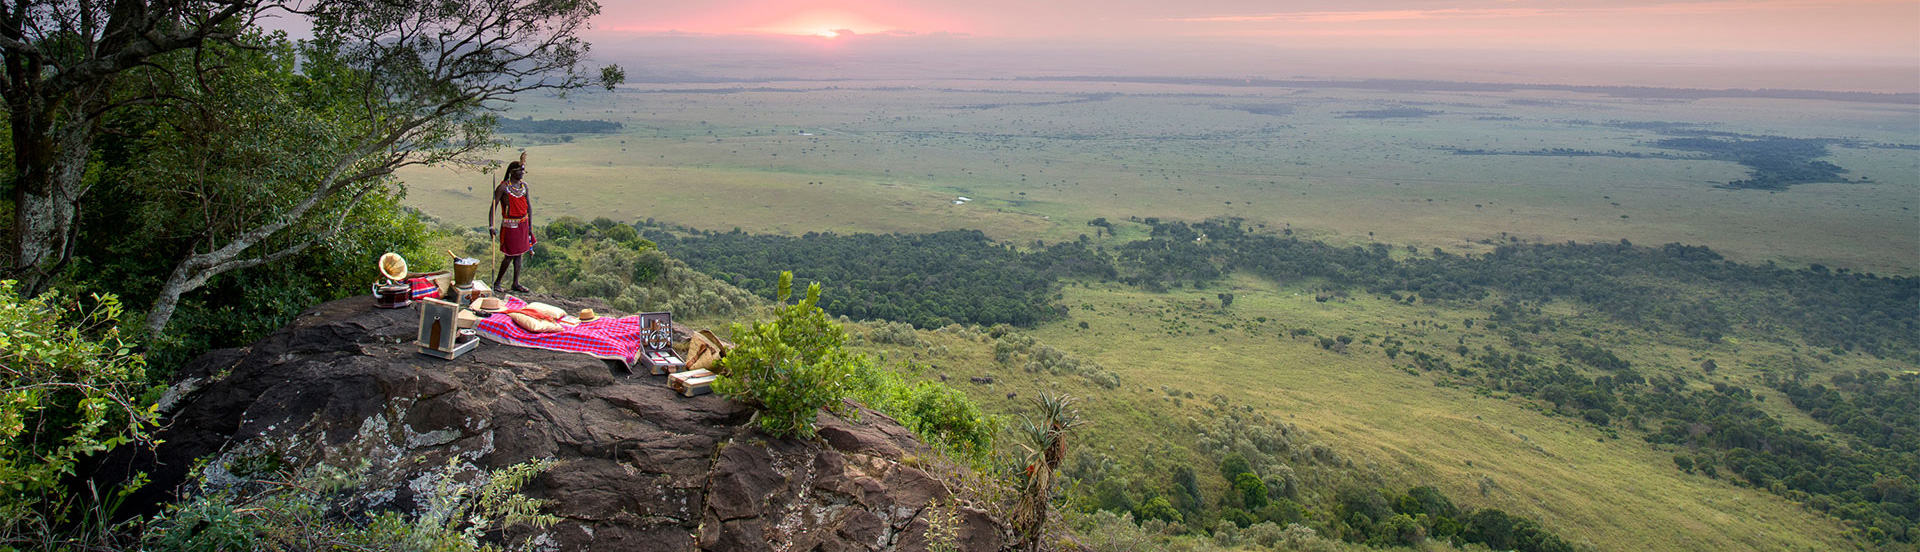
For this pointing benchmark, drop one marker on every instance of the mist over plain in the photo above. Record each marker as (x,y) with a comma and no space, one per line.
(694,57)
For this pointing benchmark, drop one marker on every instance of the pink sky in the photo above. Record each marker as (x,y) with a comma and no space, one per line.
(1887,29)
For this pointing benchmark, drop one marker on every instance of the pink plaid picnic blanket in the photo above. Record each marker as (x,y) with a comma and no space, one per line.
(605,337)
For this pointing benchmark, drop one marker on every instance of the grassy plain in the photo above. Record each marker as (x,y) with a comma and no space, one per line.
(1042,158)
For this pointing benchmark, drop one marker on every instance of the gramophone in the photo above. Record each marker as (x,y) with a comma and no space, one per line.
(394,292)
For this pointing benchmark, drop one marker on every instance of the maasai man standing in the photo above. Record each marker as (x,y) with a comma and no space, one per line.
(516,222)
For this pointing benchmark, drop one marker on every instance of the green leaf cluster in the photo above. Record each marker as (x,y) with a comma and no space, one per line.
(941,416)
(234,149)
(792,366)
(70,387)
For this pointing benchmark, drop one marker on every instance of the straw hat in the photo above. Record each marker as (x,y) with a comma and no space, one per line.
(393,267)
(586,315)
(490,304)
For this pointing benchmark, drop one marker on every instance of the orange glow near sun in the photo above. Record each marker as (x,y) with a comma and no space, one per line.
(827,23)
(823,20)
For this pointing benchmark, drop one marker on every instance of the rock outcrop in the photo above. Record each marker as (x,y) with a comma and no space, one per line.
(640,467)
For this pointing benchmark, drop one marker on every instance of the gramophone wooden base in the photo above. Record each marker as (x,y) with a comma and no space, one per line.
(458,350)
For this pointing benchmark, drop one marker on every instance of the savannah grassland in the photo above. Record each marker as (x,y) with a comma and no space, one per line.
(1410,427)
(1042,159)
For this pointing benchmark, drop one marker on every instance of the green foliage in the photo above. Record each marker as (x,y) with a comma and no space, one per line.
(455,515)
(1671,288)
(1105,531)
(1500,531)
(1186,491)
(70,387)
(943,527)
(608,260)
(1383,519)
(1234,464)
(1236,516)
(1282,511)
(790,367)
(1010,345)
(1045,449)
(1158,508)
(1874,488)
(235,149)
(1777,162)
(1742,439)
(1252,491)
(929,280)
(939,415)
(1111,495)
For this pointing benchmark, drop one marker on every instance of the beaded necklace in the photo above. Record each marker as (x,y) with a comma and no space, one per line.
(517,189)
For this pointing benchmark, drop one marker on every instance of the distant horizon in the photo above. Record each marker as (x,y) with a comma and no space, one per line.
(691,57)
(1828,27)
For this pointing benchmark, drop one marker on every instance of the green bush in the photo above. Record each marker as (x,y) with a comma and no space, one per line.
(1158,508)
(456,514)
(791,367)
(1253,491)
(940,415)
(69,388)
(1234,464)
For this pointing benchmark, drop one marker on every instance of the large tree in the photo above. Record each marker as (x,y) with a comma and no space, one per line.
(382,85)
(62,62)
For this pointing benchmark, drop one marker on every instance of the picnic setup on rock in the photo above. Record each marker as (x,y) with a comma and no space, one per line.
(452,328)
(458,310)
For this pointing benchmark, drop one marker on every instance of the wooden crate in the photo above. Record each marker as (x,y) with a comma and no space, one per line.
(693,382)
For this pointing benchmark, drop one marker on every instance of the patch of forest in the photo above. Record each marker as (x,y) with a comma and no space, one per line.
(963,276)
(1277,476)
(1672,288)
(1659,126)
(1776,162)
(1390,113)
(1575,152)
(1865,478)
(1078,99)
(929,280)
(530,125)
(1274,109)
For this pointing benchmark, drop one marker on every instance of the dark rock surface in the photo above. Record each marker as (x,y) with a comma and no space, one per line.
(641,468)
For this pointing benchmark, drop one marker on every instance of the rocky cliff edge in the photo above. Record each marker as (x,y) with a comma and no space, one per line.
(640,467)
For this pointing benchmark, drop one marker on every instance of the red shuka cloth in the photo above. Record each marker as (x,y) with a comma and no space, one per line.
(605,337)
(516,231)
(516,206)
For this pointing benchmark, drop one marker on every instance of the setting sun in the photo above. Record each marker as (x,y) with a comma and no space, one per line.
(827,33)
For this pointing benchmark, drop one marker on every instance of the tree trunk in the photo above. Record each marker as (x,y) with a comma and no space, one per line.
(51,160)
(168,300)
